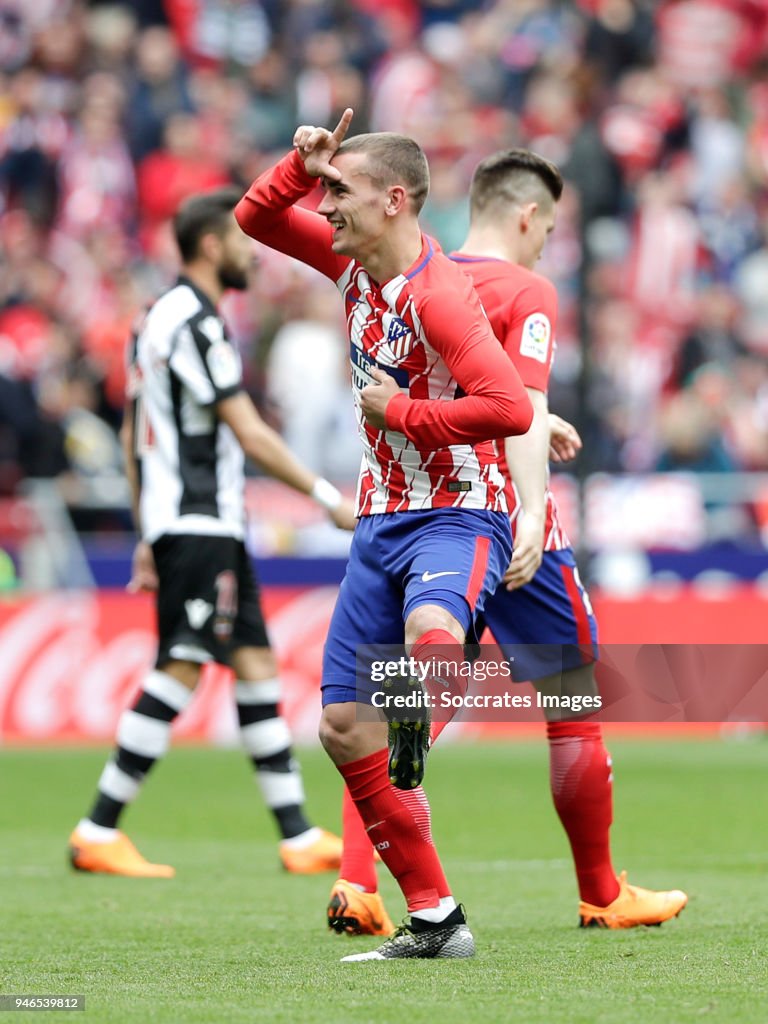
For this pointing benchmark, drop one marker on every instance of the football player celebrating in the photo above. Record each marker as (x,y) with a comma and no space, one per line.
(432,388)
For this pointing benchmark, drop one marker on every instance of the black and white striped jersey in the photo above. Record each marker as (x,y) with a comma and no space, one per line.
(190,464)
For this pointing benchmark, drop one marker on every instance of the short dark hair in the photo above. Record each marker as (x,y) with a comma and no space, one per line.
(513,176)
(393,160)
(208,212)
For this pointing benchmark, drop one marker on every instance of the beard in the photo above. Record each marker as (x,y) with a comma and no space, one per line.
(234,278)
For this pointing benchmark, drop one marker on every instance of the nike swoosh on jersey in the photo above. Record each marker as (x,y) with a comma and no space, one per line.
(427,577)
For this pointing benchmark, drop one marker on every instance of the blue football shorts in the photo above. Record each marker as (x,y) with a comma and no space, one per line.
(398,561)
(548,626)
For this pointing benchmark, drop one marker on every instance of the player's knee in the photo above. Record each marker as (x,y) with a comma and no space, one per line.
(336,731)
(346,738)
(185,672)
(254,663)
(428,617)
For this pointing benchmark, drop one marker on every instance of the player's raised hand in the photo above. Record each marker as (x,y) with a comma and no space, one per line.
(564,440)
(317,146)
(143,571)
(375,397)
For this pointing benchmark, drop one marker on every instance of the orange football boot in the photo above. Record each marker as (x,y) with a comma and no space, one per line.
(324,854)
(357,913)
(632,907)
(117,857)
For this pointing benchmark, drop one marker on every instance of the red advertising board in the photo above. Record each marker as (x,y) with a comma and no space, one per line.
(70,661)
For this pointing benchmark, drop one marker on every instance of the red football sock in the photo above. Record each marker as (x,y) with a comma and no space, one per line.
(450,648)
(357,864)
(581,780)
(439,645)
(398,825)
(435,729)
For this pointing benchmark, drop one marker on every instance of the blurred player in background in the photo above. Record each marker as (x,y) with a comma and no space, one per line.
(433,535)
(541,615)
(187,425)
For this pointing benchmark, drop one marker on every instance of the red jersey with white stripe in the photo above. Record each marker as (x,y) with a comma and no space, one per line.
(425,328)
(522,308)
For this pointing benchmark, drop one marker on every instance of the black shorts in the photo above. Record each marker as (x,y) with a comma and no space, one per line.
(207,600)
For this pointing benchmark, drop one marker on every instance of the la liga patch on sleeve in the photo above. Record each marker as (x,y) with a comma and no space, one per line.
(535,338)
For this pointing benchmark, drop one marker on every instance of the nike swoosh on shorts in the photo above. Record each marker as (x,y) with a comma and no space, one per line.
(427,577)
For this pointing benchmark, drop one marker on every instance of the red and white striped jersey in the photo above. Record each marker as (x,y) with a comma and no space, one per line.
(522,308)
(424,327)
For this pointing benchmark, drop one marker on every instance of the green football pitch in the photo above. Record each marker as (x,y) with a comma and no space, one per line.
(233,938)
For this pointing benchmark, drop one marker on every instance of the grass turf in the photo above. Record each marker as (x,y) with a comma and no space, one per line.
(233,938)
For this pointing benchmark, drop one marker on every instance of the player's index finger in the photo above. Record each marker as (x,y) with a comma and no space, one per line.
(329,174)
(341,128)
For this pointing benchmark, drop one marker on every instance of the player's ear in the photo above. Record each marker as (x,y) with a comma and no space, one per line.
(397,197)
(527,213)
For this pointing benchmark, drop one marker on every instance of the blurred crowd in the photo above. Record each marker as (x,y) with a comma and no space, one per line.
(657,113)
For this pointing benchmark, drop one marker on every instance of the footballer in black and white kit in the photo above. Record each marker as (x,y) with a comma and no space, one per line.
(192,478)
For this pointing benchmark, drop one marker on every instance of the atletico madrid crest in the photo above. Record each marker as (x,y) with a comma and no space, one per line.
(398,334)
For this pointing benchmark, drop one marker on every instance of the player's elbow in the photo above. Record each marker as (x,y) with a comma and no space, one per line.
(242,214)
(519,415)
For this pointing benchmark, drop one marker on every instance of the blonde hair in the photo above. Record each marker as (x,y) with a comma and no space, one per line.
(393,160)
